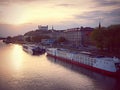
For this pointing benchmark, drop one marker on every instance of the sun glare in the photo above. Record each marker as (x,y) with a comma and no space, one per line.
(17,57)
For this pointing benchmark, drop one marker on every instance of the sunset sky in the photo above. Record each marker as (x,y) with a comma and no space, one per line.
(20,16)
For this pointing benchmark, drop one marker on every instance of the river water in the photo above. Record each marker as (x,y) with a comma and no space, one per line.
(22,71)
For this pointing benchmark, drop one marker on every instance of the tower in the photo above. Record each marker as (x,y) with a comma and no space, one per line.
(52,28)
(99,25)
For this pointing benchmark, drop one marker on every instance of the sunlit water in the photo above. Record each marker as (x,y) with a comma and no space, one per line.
(22,71)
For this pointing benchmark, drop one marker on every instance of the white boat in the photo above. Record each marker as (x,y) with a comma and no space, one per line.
(33,49)
(102,64)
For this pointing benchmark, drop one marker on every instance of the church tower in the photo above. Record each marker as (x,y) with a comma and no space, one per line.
(99,25)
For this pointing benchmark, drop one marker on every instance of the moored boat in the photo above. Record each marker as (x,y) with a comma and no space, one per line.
(33,49)
(102,64)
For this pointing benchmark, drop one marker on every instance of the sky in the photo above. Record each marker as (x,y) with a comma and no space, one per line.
(20,16)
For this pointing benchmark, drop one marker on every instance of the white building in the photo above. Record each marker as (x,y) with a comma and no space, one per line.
(40,27)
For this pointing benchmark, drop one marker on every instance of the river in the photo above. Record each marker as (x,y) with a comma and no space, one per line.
(22,71)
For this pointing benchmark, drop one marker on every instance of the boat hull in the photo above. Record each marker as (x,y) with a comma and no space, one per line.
(33,50)
(28,51)
(108,73)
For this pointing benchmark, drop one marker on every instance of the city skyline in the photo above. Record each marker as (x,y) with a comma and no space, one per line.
(20,16)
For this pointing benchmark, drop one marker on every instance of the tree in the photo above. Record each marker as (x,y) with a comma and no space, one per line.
(114,34)
(107,38)
(9,38)
(39,38)
(61,39)
(28,39)
(98,37)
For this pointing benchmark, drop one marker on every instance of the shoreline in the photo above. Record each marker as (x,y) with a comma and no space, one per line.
(93,51)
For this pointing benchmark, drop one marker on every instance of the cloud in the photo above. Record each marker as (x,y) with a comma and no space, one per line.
(115,12)
(70,12)
(17,0)
(108,2)
(6,29)
(65,5)
(107,17)
(114,15)
(12,30)
(1,1)
(91,15)
(6,2)
(99,13)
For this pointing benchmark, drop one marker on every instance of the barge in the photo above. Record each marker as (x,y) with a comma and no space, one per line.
(102,64)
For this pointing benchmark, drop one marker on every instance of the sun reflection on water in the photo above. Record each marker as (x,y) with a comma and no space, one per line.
(17,57)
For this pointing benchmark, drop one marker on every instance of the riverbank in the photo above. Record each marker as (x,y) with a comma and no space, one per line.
(91,49)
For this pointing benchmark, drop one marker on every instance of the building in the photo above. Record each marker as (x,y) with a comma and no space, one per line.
(40,27)
(47,41)
(74,36)
(85,36)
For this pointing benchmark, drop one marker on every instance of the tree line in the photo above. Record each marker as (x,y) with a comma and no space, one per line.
(107,38)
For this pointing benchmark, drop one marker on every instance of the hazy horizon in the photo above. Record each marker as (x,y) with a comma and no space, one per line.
(20,16)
